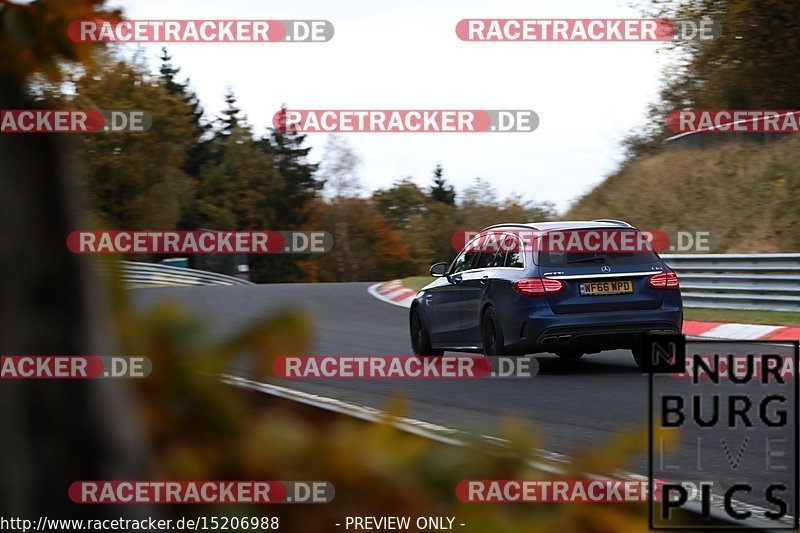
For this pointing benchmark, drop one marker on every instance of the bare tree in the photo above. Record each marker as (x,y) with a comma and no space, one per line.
(339,168)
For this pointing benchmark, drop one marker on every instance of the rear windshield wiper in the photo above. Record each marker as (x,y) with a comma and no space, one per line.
(588,260)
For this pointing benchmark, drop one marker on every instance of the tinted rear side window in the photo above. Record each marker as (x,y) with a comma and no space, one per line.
(489,259)
(502,250)
(514,260)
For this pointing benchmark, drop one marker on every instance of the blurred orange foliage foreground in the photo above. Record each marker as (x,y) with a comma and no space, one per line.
(33,36)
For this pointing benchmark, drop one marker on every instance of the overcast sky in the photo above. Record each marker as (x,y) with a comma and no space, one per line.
(392,55)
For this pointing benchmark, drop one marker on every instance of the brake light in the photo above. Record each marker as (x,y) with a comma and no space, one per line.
(537,286)
(665,280)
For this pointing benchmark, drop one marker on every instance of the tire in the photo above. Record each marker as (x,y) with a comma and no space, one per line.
(491,334)
(570,354)
(420,341)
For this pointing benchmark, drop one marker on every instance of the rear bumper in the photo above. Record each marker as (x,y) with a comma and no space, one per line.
(592,332)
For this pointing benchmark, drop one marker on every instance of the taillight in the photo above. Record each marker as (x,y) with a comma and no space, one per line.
(665,280)
(537,286)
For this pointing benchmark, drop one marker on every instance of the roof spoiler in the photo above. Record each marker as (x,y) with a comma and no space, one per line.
(612,221)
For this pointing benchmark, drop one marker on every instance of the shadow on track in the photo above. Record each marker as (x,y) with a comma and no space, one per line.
(553,365)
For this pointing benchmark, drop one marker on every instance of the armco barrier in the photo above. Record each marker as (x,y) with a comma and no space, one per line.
(725,281)
(713,136)
(156,274)
(739,281)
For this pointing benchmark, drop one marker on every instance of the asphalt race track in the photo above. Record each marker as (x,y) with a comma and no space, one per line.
(572,405)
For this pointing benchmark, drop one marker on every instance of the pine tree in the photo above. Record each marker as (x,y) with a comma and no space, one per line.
(300,183)
(169,73)
(441,191)
(238,185)
(231,115)
(298,187)
(199,153)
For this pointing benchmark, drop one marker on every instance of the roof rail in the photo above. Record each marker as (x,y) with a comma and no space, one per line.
(612,221)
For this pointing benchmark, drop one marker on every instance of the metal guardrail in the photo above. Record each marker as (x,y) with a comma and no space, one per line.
(724,281)
(739,281)
(715,135)
(156,274)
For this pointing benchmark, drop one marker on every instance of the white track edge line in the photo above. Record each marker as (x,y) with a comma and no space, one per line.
(418,427)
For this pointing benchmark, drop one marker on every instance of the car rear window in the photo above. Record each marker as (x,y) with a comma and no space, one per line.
(594,247)
(578,259)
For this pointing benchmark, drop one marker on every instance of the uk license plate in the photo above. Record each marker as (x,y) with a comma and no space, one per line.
(597,288)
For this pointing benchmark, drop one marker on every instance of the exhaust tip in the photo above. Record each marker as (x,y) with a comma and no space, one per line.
(564,338)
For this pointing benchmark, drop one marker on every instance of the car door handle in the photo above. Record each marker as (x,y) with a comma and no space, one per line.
(484,279)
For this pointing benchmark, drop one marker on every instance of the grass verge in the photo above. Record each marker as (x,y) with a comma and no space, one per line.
(772,318)
(416,282)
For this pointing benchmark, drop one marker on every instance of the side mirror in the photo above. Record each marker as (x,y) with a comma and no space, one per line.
(438,270)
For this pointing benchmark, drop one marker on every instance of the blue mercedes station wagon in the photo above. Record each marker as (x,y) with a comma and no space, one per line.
(525,299)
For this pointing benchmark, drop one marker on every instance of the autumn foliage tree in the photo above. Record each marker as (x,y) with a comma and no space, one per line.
(750,66)
(132,180)
(374,251)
